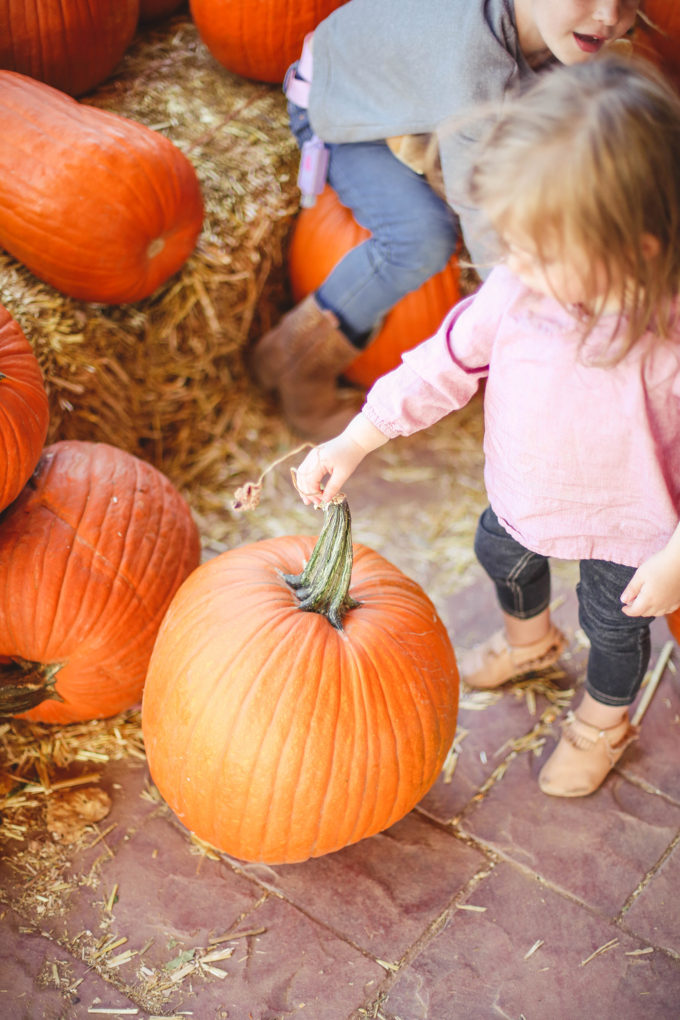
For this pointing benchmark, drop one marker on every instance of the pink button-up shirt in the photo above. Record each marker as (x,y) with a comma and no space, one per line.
(582,459)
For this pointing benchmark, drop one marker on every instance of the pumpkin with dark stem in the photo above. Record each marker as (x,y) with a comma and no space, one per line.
(24,409)
(100,207)
(72,45)
(299,698)
(91,553)
(322,235)
(258,40)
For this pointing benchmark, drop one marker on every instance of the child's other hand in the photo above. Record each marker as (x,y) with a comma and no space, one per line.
(326,468)
(654,589)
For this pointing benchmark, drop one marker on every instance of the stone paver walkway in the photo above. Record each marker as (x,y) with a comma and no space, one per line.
(488,900)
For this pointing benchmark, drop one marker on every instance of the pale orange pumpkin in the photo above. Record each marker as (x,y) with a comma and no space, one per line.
(286,714)
(322,235)
(258,40)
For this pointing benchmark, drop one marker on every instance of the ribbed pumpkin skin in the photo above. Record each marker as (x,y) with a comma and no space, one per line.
(275,737)
(258,39)
(673,621)
(100,207)
(91,554)
(70,44)
(24,409)
(661,44)
(322,235)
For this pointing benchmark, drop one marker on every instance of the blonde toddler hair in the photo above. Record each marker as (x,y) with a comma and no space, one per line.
(588,161)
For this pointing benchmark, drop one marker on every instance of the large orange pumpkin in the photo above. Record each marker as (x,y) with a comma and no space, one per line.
(24,409)
(70,44)
(99,206)
(322,235)
(91,553)
(258,39)
(673,621)
(660,40)
(285,714)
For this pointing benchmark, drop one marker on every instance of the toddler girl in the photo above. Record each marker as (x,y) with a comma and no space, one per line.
(380,83)
(577,333)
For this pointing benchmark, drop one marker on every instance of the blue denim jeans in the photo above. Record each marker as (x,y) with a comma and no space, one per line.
(413,231)
(619,644)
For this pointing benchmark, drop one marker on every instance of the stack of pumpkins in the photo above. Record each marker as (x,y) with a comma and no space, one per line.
(93,541)
(284,715)
(93,545)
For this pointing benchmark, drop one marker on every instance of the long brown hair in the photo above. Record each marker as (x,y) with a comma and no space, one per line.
(588,160)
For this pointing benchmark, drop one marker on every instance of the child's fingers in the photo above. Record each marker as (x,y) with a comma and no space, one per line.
(309,477)
(334,484)
(631,591)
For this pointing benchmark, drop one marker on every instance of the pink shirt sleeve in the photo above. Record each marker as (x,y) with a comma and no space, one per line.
(441,374)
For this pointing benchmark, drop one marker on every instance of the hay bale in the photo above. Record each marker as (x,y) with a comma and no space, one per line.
(164,378)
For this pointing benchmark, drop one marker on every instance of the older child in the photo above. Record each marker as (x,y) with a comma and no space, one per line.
(385,78)
(577,333)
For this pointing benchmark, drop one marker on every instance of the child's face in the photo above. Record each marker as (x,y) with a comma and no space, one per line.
(572,30)
(562,277)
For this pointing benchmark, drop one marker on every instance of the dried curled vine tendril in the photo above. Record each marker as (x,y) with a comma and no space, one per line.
(247,496)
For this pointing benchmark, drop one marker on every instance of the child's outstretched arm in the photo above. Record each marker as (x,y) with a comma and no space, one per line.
(654,589)
(327,467)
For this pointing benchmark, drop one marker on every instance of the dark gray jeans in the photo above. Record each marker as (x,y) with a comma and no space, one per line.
(619,644)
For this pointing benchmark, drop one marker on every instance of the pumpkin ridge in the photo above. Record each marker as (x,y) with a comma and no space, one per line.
(383,754)
(78,542)
(10,434)
(124,569)
(310,750)
(174,793)
(351,666)
(218,681)
(308,636)
(392,643)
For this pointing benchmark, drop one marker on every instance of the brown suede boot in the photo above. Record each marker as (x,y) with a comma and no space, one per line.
(301,358)
(495,661)
(584,757)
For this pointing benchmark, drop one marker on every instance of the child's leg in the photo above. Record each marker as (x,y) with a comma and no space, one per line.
(597,733)
(528,642)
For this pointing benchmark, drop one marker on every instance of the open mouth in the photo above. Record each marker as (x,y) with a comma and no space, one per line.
(589,43)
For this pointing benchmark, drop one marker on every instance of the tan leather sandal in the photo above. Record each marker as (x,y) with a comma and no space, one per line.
(495,661)
(584,757)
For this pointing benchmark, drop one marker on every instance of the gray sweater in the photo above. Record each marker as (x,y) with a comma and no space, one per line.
(395,67)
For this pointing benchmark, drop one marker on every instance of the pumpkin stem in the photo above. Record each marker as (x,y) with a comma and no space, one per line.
(323,586)
(24,684)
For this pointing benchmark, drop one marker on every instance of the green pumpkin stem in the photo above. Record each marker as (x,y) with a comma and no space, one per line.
(25,684)
(323,586)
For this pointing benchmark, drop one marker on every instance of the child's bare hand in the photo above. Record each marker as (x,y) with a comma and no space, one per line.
(654,589)
(326,468)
